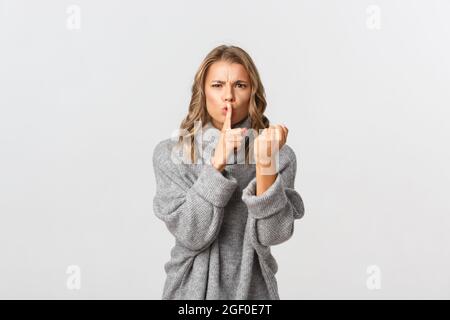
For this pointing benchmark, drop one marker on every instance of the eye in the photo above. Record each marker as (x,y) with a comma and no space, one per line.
(216,85)
(242,85)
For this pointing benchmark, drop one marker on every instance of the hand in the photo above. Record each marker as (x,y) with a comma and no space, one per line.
(268,143)
(229,140)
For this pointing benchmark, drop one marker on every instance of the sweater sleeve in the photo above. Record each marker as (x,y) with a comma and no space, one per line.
(192,210)
(276,209)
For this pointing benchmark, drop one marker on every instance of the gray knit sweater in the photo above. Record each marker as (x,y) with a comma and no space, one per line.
(223,231)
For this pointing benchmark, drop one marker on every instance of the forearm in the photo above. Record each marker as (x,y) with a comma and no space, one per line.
(192,213)
(274,207)
(265,177)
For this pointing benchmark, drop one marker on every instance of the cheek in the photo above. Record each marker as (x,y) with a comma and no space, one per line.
(244,96)
(211,92)
(244,99)
(212,104)
(211,98)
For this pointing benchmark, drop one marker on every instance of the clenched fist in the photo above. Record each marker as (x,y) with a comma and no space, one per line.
(268,142)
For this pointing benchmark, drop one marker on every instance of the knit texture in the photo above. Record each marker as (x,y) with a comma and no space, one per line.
(223,231)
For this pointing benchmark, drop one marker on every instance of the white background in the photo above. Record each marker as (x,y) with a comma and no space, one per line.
(367,110)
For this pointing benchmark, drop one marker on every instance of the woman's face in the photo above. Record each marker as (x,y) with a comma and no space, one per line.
(227,82)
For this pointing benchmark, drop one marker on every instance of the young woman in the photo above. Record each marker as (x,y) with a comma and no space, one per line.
(226,214)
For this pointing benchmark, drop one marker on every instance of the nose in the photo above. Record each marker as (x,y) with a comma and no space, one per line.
(228,94)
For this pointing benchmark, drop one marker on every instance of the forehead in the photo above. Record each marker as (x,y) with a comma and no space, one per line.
(223,70)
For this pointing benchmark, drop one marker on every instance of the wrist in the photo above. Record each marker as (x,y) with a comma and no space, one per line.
(266,166)
(265,161)
(218,167)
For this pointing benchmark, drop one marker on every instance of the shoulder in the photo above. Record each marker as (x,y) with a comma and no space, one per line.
(163,152)
(287,154)
(287,151)
(164,146)
(287,158)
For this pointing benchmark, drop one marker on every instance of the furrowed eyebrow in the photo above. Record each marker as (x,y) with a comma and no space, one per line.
(222,82)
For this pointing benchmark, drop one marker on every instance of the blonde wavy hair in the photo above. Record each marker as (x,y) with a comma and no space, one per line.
(197,107)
